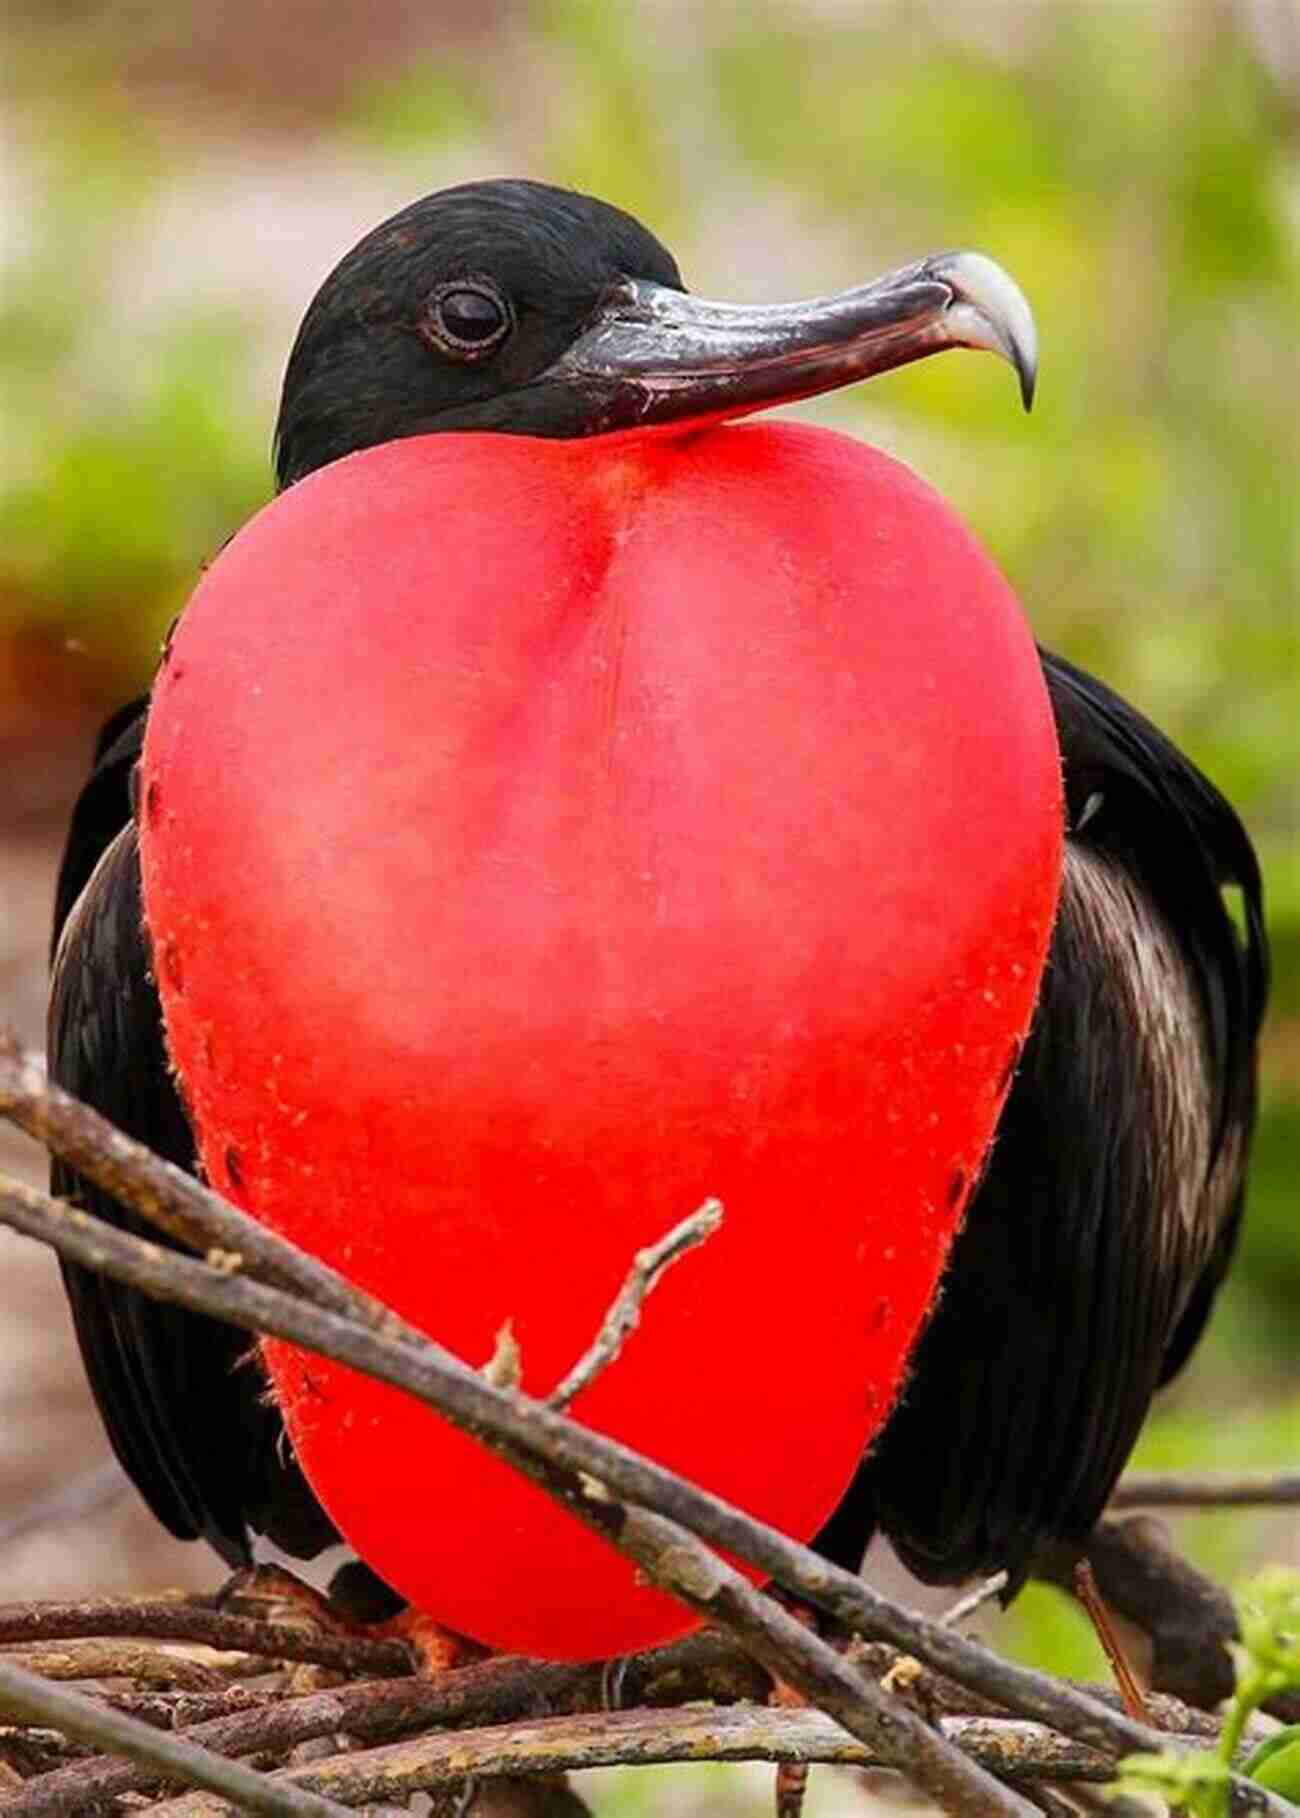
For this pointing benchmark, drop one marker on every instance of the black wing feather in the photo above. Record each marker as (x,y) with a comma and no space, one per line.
(185,1411)
(1089,1260)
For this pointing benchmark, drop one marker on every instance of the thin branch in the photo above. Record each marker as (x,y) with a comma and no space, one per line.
(540,1442)
(138,1661)
(169,1198)
(1278,1490)
(178,1710)
(973,1600)
(678,1562)
(35,1701)
(1014,1751)
(192,1619)
(624,1316)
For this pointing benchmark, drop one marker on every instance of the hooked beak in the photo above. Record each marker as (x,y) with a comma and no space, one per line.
(653,355)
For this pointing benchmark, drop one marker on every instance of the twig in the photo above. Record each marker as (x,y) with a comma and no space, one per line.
(166,1195)
(682,1564)
(1277,1490)
(23,1695)
(178,1710)
(1016,1751)
(975,1599)
(116,1660)
(531,1436)
(648,1268)
(176,1619)
(1085,1589)
(31,1751)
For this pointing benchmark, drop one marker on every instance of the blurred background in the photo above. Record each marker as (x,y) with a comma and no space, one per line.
(174,184)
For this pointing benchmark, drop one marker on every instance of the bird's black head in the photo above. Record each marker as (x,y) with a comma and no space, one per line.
(451,314)
(517,307)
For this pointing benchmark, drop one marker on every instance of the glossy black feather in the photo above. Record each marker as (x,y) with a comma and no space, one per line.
(1111,1199)
(183,1406)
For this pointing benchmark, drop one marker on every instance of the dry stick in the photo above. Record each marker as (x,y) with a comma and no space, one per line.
(1018,1751)
(680,1563)
(624,1316)
(166,1195)
(674,1558)
(192,1213)
(141,1662)
(973,1600)
(168,1619)
(513,1421)
(1213,1492)
(36,1701)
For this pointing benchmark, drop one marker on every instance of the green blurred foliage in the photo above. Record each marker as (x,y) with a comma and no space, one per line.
(1135,165)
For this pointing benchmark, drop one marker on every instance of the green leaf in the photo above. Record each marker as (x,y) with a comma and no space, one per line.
(1269,1612)
(1197,1782)
(1276,1763)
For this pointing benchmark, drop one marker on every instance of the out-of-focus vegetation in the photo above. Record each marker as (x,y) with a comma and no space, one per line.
(174,197)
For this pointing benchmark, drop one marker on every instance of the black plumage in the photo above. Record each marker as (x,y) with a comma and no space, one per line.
(1111,1198)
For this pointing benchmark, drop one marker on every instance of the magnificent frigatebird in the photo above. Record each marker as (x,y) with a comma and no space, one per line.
(1109,1204)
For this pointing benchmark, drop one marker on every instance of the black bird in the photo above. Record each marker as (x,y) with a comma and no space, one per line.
(1112,1196)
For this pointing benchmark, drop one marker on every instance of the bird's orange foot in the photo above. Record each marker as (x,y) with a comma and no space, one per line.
(434,1649)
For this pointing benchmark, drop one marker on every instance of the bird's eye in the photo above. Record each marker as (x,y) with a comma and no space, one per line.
(468,320)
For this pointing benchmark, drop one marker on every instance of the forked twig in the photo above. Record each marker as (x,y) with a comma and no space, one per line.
(648,1269)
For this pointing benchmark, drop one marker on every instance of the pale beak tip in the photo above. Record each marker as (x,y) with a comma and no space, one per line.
(989,309)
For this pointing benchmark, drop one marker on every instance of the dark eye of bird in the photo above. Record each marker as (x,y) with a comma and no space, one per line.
(468,320)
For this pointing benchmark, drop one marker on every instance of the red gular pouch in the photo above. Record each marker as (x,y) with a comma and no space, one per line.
(541,836)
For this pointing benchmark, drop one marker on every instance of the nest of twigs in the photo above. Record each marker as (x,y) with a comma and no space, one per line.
(271,1709)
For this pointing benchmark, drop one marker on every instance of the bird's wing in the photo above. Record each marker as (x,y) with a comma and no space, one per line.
(186,1413)
(1110,1201)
